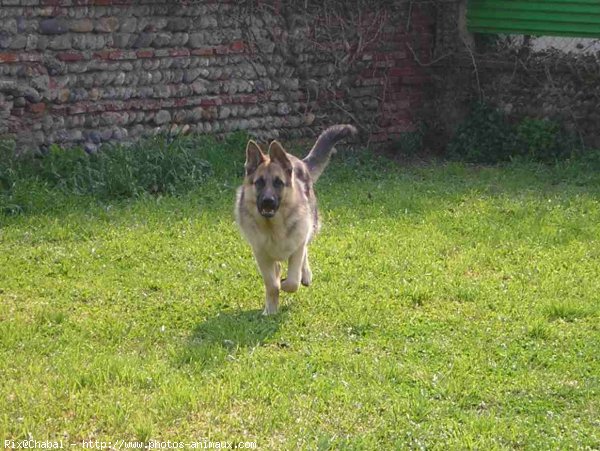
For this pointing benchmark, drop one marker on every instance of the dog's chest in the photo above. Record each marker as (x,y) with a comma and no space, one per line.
(280,237)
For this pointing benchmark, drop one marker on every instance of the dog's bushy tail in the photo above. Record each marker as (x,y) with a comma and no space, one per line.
(319,156)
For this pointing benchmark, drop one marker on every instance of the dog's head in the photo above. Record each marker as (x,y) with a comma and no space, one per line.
(268,176)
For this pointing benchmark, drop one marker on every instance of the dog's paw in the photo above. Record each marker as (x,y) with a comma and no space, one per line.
(306,279)
(269,310)
(289,286)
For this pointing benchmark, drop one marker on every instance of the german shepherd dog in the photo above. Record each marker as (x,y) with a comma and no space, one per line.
(276,209)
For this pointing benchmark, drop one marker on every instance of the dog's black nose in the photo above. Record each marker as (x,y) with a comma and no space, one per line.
(269,202)
(267,206)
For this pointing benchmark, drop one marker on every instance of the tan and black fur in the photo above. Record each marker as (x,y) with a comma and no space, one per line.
(276,209)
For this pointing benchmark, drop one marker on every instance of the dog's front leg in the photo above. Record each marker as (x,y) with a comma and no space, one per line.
(270,270)
(295,263)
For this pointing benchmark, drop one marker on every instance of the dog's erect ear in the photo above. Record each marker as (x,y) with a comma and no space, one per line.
(279,155)
(254,157)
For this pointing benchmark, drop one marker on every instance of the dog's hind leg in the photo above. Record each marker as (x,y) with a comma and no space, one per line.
(295,265)
(306,272)
(270,271)
(278,270)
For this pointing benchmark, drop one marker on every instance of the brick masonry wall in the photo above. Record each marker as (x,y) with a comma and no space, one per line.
(85,72)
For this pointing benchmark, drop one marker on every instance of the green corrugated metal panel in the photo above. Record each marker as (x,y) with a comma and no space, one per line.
(537,17)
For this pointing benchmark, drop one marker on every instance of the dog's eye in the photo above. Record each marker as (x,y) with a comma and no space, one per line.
(277,183)
(259,182)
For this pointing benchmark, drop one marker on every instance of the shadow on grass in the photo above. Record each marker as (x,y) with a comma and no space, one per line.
(219,338)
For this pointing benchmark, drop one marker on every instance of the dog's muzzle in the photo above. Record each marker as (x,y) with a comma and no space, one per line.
(268,207)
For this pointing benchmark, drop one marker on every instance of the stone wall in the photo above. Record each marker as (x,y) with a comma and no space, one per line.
(564,89)
(520,81)
(84,72)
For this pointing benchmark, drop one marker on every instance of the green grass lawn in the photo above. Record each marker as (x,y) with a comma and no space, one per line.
(452,307)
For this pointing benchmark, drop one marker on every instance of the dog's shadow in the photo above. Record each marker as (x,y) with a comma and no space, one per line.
(222,337)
